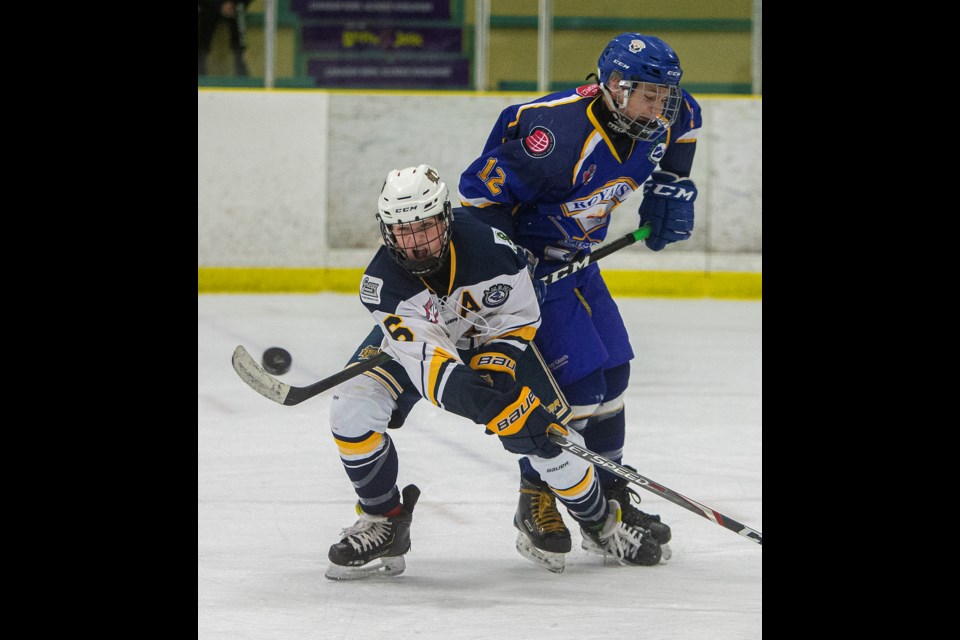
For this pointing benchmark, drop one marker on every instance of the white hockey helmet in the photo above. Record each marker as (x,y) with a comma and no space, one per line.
(414,204)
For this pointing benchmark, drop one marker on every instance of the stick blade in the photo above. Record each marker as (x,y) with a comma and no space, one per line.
(256,378)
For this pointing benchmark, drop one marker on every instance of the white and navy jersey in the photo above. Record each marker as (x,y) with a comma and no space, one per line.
(554,165)
(480,305)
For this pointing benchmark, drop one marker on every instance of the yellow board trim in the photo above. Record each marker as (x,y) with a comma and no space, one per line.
(645,284)
(277,280)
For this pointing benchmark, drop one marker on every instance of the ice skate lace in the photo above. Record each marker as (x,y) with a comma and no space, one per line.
(622,542)
(620,539)
(545,512)
(366,534)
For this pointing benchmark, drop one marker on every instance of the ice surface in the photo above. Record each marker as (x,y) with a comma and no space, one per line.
(272,495)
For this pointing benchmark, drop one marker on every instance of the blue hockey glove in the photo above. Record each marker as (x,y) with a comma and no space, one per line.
(523,429)
(668,207)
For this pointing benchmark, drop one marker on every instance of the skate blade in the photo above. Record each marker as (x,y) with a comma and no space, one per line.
(667,553)
(590,547)
(547,559)
(383,567)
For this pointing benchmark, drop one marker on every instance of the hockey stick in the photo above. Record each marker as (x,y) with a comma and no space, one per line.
(266,385)
(632,476)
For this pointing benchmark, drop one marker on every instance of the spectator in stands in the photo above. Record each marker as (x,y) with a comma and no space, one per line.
(209,15)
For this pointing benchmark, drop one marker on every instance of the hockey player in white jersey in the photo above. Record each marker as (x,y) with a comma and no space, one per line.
(457,310)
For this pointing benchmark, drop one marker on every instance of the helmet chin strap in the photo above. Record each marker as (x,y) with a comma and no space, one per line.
(616,117)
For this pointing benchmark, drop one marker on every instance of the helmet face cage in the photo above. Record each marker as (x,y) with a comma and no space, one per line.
(647,124)
(415,214)
(632,63)
(419,246)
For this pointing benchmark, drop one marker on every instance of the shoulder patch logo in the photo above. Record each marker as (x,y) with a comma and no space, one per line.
(496,295)
(500,237)
(656,155)
(540,142)
(370,289)
(368,352)
(588,90)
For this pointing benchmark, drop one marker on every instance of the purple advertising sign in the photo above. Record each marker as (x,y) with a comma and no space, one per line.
(366,9)
(346,39)
(391,74)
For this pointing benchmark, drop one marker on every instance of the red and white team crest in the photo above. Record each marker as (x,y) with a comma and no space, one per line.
(539,143)
(588,174)
(432,312)
(588,90)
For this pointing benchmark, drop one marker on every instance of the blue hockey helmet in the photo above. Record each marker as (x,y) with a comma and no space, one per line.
(640,58)
(632,62)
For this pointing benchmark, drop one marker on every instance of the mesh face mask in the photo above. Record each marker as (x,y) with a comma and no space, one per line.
(415,217)
(656,111)
(419,246)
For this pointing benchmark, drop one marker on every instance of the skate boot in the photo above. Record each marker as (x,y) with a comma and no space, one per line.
(623,542)
(543,538)
(622,493)
(373,538)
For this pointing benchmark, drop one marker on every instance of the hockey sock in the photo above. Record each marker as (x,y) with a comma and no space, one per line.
(605,435)
(374,475)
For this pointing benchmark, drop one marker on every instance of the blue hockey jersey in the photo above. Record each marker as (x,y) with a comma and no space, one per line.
(553,165)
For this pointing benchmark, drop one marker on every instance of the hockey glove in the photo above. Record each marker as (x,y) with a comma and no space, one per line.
(668,207)
(522,427)
(496,367)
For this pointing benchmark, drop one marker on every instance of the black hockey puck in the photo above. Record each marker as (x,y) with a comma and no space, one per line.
(277,361)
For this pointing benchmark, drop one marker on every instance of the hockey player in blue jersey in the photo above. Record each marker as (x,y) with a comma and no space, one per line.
(550,175)
(457,310)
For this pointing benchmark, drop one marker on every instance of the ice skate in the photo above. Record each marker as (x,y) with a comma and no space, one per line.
(374,545)
(543,538)
(621,541)
(623,494)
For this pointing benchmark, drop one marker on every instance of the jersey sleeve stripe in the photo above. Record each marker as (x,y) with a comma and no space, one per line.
(539,105)
(447,370)
(437,362)
(588,146)
(525,333)
(480,203)
(388,381)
